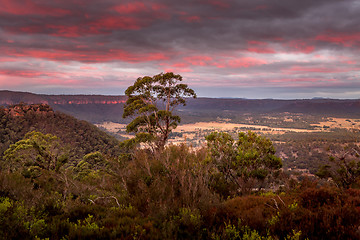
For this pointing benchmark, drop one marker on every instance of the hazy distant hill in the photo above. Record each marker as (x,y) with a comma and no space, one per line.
(327,106)
(212,108)
(99,108)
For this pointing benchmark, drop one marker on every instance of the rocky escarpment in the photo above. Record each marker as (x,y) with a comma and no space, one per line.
(10,98)
(21,110)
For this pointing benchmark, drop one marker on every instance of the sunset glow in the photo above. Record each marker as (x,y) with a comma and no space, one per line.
(228,48)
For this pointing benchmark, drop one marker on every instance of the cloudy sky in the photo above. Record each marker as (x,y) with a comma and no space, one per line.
(222,48)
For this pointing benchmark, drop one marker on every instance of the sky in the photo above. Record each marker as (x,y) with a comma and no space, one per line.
(283,49)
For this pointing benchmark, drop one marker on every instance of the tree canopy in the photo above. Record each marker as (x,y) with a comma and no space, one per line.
(151,102)
(244,164)
(36,151)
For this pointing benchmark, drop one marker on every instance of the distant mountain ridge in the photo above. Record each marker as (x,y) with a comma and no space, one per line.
(267,105)
(10,97)
(100,108)
(92,108)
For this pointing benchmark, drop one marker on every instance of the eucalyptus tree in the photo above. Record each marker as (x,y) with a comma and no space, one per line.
(34,152)
(151,103)
(242,165)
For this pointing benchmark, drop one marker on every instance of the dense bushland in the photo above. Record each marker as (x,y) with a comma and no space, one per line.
(168,196)
(176,193)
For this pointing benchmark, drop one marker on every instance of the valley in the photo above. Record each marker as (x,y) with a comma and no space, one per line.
(303,149)
(304,132)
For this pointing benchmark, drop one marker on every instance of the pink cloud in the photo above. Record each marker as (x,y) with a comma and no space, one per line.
(142,11)
(139,7)
(131,7)
(118,22)
(25,78)
(300,46)
(245,62)
(295,69)
(25,73)
(6,81)
(27,29)
(175,67)
(191,19)
(219,65)
(345,39)
(325,57)
(11,59)
(29,7)
(350,62)
(259,47)
(66,31)
(129,16)
(158,6)
(177,70)
(180,65)
(308,69)
(220,62)
(86,55)
(199,60)
(219,4)
(88,68)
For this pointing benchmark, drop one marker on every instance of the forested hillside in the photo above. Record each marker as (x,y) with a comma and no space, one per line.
(92,108)
(80,137)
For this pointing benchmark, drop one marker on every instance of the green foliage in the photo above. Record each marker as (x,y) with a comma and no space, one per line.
(86,228)
(35,152)
(152,101)
(243,165)
(294,236)
(167,197)
(5,203)
(186,224)
(77,138)
(232,232)
(90,167)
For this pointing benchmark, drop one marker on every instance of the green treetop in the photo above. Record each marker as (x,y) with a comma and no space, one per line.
(151,102)
(36,151)
(242,165)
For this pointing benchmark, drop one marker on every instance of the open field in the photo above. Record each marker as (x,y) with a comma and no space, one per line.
(112,127)
(302,148)
(223,126)
(322,126)
(196,131)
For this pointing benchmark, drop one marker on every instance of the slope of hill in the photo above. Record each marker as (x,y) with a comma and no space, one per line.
(92,108)
(82,136)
